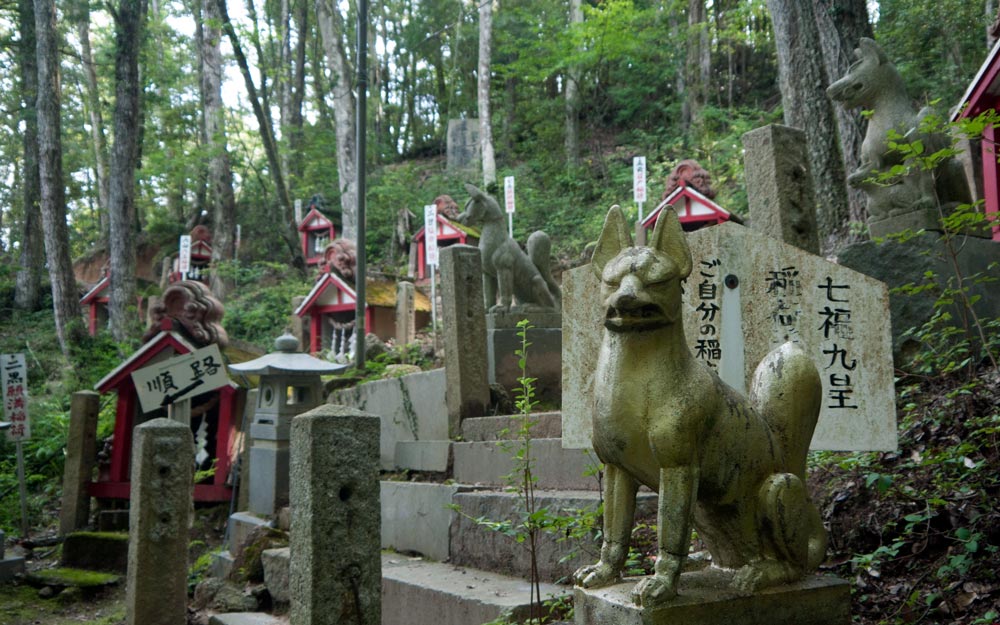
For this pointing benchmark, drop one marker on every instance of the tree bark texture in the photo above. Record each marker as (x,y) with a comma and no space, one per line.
(841,24)
(290,231)
(93,103)
(483,93)
(220,174)
(572,94)
(28,284)
(802,78)
(331,25)
(52,193)
(130,19)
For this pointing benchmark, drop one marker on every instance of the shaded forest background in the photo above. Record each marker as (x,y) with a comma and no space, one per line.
(140,145)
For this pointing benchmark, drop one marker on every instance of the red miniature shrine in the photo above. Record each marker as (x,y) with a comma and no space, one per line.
(449,233)
(694,210)
(316,232)
(201,257)
(982,95)
(213,414)
(96,301)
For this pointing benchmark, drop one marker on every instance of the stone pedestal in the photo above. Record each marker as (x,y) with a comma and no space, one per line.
(705,598)
(544,361)
(406,320)
(463,145)
(335,570)
(9,567)
(81,456)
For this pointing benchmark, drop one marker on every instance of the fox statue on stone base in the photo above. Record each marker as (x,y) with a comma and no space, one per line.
(730,466)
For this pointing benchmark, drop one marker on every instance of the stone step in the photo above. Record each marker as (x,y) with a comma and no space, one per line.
(418,592)
(416,517)
(96,551)
(476,545)
(424,455)
(548,425)
(240,526)
(247,618)
(485,463)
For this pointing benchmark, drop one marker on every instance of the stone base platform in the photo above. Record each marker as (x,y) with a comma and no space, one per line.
(544,355)
(705,598)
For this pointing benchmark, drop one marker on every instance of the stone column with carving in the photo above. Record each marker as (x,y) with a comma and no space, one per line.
(81,455)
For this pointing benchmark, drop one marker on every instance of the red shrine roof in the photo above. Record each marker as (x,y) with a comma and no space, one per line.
(691,207)
(96,290)
(314,220)
(984,90)
(162,342)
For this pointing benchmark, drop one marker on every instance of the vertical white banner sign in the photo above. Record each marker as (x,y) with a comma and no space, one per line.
(184,257)
(298,211)
(430,234)
(639,181)
(508,198)
(15,396)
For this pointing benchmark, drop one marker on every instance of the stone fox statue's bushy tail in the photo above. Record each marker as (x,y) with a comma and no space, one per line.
(730,466)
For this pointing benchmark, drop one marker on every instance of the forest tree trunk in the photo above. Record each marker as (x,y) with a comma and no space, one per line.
(130,19)
(52,194)
(803,83)
(572,93)
(483,93)
(28,284)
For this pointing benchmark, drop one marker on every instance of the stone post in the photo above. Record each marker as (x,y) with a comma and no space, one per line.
(159,516)
(406,322)
(295,325)
(464,319)
(81,454)
(336,568)
(780,187)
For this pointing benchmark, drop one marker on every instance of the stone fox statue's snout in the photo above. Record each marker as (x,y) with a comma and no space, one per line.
(732,467)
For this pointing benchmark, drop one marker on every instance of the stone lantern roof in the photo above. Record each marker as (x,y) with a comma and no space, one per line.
(287,360)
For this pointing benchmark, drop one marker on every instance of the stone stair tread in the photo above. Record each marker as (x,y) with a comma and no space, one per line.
(487,462)
(548,425)
(420,592)
(247,618)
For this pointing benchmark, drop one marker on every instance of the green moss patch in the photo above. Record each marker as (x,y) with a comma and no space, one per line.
(66,577)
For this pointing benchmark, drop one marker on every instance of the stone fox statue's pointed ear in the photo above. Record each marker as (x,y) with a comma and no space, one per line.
(472,190)
(868,47)
(614,238)
(668,238)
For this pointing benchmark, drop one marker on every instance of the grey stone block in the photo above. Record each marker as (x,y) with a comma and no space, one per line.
(547,425)
(477,546)
(81,456)
(240,526)
(9,567)
(96,551)
(415,517)
(417,592)
(244,618)
(222,564)
(276,563)
(705,599)
(487,462)
(544,361)
(423,455)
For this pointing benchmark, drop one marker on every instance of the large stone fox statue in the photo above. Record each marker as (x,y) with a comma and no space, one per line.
(507,270)
(732,467)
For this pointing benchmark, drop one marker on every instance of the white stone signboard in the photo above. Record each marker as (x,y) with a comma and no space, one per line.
(14,377)
(431,234)
(747,294)
(179,378)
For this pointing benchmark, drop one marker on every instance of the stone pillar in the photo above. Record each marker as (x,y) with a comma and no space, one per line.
(780,187)
(336,569)
(463,145)
(159,516)
(406,321)
(81,455)
(295,326)
(464,327)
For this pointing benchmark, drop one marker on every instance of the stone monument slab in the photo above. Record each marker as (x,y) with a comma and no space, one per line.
(749,293)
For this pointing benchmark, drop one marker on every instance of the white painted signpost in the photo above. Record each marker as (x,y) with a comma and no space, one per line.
(747,294)
(184,256)
(172,383)
(431,248)
(508,198)
(639,182)
(14,378)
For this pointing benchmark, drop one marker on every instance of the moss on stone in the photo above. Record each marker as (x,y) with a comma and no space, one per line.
(65,576)
(115,536)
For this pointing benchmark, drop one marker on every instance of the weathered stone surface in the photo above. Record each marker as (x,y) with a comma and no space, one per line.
(547,425)
(488,462)
(276,571)
(477,546)
(898,264)
(335,568)
(245,618)
(704,599)
(417,592)
(9,566)
(97,551)
(424,455)
(779,185)
(223,596)
(544,360)
(161,508)
(241,524)
(776,285)
(406,319)
(463,145)
(411,407)
(416,517)
(464,321)
(81,456)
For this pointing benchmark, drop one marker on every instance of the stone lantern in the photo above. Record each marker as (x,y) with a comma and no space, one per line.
(289,385)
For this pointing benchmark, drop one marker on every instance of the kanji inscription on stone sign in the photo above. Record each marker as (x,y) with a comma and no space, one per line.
(14,377)
(179,378)
(747,294)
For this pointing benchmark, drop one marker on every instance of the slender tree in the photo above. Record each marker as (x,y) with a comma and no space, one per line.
(52,194)
(803,83)
(331,25)
(130,21)
(27,286)
(572,93)
(483,92)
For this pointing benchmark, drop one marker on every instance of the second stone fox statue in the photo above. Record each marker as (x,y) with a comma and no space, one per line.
(730,466)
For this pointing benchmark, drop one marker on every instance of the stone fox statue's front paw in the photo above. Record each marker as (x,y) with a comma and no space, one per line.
(653,591)
(596,575)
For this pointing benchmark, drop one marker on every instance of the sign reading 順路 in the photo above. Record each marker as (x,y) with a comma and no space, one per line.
(181,377)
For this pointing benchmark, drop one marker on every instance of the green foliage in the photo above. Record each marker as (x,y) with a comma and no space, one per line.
(260,305)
